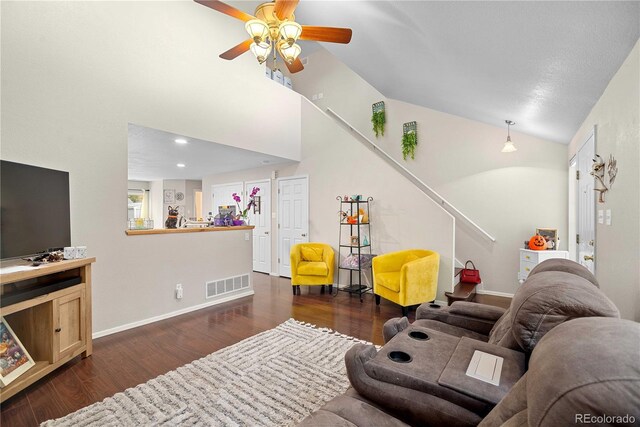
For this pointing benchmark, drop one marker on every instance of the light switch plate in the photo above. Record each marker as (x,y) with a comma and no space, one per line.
(600,216)
(608,217)
(485,367)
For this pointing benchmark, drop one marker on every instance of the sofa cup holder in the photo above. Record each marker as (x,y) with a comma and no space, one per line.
(399,356)
(435,306)
(418,335)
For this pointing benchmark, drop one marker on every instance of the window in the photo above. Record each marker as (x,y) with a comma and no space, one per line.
(137,203)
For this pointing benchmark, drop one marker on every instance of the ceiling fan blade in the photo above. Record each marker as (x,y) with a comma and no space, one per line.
(326,34)
(284,8)
(237,50)
(226,9)
(295,67)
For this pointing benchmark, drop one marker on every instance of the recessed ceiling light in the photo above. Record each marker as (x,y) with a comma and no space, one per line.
(181,165)
(180,141)
(266,162)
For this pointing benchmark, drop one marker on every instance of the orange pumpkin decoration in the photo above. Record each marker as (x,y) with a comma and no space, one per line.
(537,243)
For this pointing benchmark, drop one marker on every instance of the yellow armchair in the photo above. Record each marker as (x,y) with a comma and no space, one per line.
(312,264)
(406,277)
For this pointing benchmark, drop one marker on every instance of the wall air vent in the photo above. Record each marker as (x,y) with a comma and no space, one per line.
(224,286)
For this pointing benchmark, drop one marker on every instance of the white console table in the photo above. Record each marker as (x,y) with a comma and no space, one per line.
(529,259)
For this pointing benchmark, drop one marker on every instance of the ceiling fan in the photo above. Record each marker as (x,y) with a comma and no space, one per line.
(273,28)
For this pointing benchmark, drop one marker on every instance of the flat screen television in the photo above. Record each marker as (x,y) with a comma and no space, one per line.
(34,210)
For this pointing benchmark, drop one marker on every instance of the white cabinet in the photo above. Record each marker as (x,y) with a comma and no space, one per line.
(529,259)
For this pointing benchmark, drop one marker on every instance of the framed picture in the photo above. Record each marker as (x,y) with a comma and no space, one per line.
(257,205)
(14,359)
(169,196)
(355,241)
(551,236)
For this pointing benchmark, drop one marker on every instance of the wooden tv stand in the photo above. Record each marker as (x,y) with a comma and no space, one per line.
(54,327)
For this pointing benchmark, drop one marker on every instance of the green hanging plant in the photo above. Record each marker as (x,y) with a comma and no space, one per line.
(409,142)
(378,121)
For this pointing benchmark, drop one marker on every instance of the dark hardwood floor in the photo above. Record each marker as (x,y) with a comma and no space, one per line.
(128,358)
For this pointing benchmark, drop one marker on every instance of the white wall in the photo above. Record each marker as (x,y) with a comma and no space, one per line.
(401,216)
(138,185)
(617,117)
(74,74)
(508,195)
(156,203)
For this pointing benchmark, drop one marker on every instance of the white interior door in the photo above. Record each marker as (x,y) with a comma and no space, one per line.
(221,194)
(586,205)
(293,218)
(261,219)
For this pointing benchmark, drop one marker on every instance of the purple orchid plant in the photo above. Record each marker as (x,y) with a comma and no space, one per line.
(252,201)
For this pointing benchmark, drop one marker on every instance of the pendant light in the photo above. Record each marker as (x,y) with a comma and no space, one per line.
(508,145)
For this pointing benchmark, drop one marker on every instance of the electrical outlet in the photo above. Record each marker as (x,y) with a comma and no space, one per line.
(600,216)
(246,236)
(314,97)
(179,291)
(320,95)
(608,217)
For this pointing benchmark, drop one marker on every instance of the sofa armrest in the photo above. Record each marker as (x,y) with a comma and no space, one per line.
(295,260)
(467,318)
(419,280)
(328,256)
(479,311)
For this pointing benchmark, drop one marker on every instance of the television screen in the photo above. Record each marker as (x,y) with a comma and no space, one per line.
(34,210)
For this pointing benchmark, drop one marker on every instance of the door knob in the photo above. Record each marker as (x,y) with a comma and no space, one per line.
(304,235)
(58,329)
(266,232)
(588,257)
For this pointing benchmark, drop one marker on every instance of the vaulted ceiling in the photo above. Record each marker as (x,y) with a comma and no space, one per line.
(542,64)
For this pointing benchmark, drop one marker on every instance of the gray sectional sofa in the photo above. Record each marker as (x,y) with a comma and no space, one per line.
(564,351)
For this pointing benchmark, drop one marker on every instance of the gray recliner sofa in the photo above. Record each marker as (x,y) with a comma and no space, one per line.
(419,376)
(593,379)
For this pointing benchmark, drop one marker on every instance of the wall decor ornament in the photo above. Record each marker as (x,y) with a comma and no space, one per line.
(612,167)
(598,170)
(378,118)
(409,140)
(169,196)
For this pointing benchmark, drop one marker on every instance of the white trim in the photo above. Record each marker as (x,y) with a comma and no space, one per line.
(494,293)
(143,322)
(274,274)
(440,303)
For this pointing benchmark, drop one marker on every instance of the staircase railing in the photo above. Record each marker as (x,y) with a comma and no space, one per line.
(430,192)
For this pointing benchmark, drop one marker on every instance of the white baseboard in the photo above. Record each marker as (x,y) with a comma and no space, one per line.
(274,274)
(132,325)
(494,293)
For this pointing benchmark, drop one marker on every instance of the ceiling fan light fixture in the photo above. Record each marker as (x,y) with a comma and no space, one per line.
(289,53)
(259,31)
(261,53)
(290,31)
(508,145)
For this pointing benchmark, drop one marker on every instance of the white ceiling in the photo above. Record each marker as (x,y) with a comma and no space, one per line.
(154,154)
(542,64)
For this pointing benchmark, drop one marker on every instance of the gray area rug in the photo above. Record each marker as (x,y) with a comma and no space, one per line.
(275,378)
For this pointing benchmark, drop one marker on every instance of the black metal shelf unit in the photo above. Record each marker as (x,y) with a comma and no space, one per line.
(356,244)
